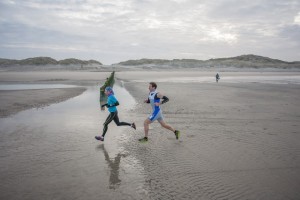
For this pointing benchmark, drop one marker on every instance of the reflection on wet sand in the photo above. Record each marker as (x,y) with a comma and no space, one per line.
(114,165)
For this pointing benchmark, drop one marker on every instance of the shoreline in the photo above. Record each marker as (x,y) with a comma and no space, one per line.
(66,76)
(13,102)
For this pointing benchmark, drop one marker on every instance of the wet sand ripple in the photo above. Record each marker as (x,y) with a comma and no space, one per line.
(232,146)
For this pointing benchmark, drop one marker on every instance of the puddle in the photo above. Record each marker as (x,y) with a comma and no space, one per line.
(53,149)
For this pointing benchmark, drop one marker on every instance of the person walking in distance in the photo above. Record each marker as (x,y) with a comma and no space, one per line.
(154,100)
(217,77)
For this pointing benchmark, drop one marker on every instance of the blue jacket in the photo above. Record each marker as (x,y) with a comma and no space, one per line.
(111,100)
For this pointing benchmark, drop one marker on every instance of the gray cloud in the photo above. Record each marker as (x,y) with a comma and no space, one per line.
(113,31)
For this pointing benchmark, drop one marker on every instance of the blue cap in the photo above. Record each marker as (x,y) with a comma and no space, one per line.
(109,89)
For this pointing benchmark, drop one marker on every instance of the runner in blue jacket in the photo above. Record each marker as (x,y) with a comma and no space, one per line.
(111,104)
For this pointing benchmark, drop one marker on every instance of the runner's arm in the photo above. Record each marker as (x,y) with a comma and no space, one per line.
(165,99)
(147,100)
(112,105)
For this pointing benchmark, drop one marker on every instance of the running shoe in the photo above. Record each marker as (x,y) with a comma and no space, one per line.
(99,138)
(177,134)
(133,125)
(144,139)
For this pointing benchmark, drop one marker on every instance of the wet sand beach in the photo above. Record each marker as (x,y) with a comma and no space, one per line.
(239,139)
(238,142)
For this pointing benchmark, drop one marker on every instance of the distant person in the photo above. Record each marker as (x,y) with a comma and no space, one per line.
(111,104)
(154,100)
(217,77)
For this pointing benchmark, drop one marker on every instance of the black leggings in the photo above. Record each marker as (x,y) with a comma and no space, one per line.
(113,116)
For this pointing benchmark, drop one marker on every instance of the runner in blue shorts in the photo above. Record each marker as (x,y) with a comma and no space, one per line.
(154,100)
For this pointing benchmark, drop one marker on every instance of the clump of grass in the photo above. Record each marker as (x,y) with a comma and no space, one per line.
(109,81)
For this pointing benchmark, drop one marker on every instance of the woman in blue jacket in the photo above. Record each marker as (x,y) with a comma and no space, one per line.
(111,104)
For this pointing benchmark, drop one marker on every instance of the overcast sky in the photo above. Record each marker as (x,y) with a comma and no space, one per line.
(112,31)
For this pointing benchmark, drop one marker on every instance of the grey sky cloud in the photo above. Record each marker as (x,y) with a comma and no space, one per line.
(114,31)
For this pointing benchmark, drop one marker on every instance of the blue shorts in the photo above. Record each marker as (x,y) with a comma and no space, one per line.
(156,116)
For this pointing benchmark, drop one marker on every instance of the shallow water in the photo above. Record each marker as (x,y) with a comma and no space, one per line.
(51,153)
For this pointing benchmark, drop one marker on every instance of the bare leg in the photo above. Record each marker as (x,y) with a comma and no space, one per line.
(167,126)
(146,126)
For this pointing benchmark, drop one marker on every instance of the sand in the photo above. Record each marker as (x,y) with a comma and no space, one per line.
(12,102)
(239,140)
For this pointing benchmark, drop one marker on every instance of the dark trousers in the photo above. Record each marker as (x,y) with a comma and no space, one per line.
(113,116)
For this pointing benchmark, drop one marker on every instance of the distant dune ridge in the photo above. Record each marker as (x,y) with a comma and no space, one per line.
(243,61)
(46,61)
